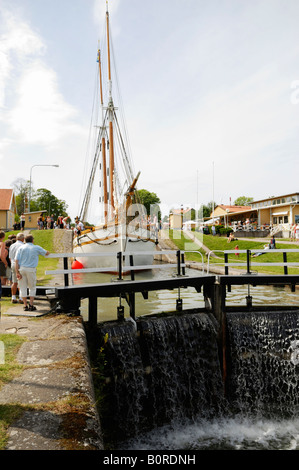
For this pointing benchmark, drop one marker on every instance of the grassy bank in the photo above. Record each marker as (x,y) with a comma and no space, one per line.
(219,244)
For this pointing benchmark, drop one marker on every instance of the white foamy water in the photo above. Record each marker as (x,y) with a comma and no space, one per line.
(238,433)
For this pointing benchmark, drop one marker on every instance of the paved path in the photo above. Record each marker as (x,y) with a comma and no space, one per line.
(54,388)
(56,372)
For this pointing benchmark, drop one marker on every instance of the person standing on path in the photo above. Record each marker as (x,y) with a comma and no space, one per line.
(26,262)
(22,221)
(12,254)
(3,260)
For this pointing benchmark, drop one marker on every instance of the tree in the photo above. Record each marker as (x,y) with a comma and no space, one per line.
(206,210)
(42,199)
(21,190)
(147,199)
(45,200)
(243,201)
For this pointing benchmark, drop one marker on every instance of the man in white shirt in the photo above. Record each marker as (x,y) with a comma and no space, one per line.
(79,226)
(26,263)
(12,254)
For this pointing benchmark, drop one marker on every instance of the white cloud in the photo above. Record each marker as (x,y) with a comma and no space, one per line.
(41,114)
(35,110)
(17,42)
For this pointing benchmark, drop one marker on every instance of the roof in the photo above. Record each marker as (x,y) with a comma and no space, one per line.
(275,197)
(233,209)
(5,199)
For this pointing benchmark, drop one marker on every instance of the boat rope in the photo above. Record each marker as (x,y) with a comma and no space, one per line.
(92,174)
(122,115)
(95,241)
(91,135)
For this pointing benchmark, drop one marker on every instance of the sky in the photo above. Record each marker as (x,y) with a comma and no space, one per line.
(210,90)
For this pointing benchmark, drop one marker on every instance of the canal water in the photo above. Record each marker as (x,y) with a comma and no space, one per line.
(237,427)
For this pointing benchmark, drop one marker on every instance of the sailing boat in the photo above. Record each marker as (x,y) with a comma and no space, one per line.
(124,226)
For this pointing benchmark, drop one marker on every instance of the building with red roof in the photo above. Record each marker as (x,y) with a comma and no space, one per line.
(8,209)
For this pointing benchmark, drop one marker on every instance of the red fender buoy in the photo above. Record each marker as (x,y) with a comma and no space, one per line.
(77,265)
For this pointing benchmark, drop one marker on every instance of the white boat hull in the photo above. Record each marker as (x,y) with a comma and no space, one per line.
(106,243)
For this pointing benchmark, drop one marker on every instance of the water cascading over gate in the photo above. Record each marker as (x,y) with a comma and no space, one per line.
(162,369)
(166,369)
(263,369)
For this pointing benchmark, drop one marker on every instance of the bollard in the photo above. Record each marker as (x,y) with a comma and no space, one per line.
(178,255)
(120,313)
(119,260)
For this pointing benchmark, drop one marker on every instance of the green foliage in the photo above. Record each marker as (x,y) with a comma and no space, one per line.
(45,200)
(206,210)
(41,199)
(147,199)
(243,201)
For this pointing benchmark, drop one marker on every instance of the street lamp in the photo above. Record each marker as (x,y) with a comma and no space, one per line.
(30,183)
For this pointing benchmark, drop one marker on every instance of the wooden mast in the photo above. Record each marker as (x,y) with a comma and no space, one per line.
(110,107)
(105,192)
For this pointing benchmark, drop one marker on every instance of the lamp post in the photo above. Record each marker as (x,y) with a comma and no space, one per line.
(30,182)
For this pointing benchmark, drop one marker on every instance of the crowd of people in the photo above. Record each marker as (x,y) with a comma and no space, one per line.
(18,261)
(49,223)
(19,258)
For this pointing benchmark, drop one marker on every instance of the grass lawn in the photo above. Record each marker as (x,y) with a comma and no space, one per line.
(216,243)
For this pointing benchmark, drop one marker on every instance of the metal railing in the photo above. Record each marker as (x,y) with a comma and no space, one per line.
(120,268)
(248,262)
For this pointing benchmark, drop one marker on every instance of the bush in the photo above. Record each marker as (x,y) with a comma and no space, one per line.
(221,230)
(224,230)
